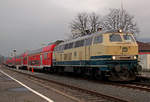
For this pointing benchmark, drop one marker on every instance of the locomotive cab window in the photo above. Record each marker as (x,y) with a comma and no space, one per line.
(98,39)
(128,38)
(115,38)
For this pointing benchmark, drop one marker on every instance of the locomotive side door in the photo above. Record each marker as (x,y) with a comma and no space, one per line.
(87,54)
(88,42)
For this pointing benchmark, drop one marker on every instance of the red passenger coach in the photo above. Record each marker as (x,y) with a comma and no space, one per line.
(34,59)
(37,59)
(17,61)
(47,54)
(40,58)
(24,59)
(13,62)
(9,62)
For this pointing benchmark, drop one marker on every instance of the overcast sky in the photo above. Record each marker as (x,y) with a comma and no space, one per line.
(27,24)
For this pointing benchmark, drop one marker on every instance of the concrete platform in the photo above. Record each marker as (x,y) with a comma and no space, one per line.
(11,91)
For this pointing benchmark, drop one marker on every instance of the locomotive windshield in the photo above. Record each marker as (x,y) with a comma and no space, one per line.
(115,38)
(128,38)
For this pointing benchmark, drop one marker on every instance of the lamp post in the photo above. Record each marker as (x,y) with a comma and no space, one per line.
(15,56)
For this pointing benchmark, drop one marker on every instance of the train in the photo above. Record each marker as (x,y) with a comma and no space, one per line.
(103,55)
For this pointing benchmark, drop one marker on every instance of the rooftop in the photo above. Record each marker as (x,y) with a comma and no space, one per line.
(143,47)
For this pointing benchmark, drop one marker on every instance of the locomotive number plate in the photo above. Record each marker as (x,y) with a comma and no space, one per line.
(124,49)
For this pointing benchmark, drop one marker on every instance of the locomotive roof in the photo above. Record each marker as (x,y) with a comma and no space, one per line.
(89,35)
(79,38)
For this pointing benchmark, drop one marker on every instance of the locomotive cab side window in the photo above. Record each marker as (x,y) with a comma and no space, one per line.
(128,38)
(98,39)
(115,38)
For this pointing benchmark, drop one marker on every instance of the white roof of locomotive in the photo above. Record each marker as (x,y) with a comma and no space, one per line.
(87,36)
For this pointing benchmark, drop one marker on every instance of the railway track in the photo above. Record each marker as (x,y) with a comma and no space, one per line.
(143,84)
(139,86)
(74,92)
(134,85)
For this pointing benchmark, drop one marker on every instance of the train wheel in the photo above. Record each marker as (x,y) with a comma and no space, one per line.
(77,70)
(60,70)
(99,75)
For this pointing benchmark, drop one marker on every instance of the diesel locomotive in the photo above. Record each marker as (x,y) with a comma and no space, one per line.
(102,55)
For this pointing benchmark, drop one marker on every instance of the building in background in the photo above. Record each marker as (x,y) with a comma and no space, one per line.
(144,55)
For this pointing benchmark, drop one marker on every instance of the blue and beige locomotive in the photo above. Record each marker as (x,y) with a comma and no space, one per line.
(111,55)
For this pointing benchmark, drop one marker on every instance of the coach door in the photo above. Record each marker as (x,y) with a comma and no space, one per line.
(41,59)
(49,58)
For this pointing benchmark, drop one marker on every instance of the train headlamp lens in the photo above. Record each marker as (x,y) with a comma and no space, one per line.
(113,57)
(134,57)
(120,30)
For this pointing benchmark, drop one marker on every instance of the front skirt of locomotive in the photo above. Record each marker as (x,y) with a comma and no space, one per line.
(123,71)
(120,69)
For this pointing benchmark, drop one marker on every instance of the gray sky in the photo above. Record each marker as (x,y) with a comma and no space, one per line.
(27,24)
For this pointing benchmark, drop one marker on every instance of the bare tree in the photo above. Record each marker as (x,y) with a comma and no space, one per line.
(80,23)
(120,19)
(116,19)
(84,24)
(94,22)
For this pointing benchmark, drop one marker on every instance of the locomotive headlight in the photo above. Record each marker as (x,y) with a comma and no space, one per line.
(134,57)
(120,30)
(113,57)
